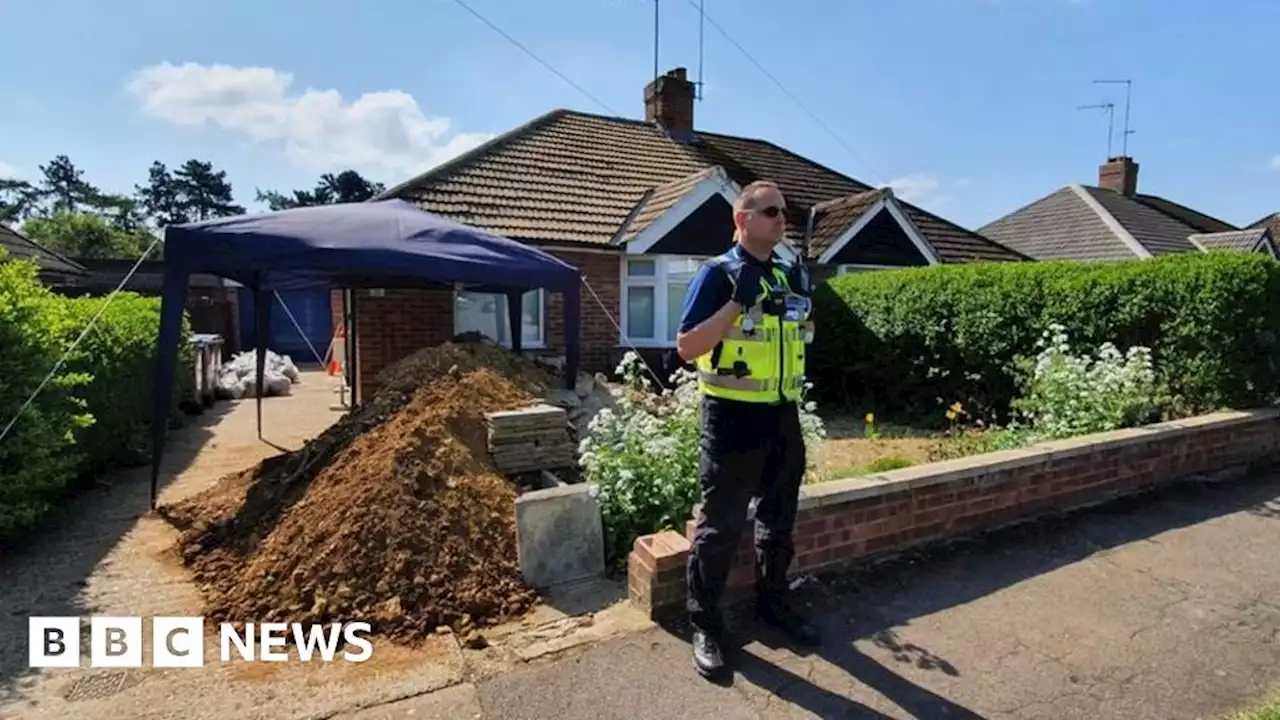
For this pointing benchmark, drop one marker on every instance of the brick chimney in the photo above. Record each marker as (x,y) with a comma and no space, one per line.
(668,101)
(1119,174)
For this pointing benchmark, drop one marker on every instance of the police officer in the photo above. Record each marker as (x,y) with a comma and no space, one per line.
(745,326)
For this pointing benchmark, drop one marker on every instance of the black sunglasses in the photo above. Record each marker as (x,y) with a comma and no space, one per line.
(772,211)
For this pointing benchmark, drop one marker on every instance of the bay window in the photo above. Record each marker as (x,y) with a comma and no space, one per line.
(486,313)
(653,292)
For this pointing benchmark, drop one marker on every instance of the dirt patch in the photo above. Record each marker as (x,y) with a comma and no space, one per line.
(395,515)
(845,454)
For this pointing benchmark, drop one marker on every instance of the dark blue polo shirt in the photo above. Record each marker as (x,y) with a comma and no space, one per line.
(711,288)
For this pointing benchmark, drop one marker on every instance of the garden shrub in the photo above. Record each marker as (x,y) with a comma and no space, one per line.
(1063,394)
(119,354)
(1067,395)
(915,340)
(39,456)
(643,456)
(94,413)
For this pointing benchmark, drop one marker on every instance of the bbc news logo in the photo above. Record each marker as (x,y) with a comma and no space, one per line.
(176,642)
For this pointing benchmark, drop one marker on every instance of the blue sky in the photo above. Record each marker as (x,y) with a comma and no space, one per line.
(967,106)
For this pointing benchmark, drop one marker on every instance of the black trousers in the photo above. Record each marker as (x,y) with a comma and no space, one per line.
(749,451)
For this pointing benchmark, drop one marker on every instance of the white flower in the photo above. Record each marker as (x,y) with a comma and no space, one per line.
(1073,394)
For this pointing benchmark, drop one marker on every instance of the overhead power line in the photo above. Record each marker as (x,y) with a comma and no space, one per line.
(798,102)
(876,177)
(534,55)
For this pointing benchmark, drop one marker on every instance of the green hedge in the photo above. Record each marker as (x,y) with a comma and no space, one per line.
(916,340)
(95,412)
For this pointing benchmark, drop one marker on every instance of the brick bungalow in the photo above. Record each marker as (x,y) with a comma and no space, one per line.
(1112,221)
(636,205)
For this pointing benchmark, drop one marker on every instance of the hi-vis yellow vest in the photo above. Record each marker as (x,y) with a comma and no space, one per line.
(761,360)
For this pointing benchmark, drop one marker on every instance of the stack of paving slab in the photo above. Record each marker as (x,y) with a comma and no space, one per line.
(530,439)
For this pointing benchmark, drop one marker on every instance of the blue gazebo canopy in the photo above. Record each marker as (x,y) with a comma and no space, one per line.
(388,243)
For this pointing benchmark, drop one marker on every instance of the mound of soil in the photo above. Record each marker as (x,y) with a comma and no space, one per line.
(395,515)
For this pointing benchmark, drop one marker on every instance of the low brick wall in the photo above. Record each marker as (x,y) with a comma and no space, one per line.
(848,522)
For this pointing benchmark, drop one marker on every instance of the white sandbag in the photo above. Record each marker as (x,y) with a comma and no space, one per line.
(242,368)
(278,384)
(274,382)
(229,387)
(289,369)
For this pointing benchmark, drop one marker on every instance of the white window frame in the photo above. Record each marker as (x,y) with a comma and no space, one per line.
(540,344)
(660,282)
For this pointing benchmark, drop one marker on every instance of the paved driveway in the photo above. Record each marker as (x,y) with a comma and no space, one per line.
(104,555)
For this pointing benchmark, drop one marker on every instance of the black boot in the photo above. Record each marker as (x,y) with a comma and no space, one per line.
(707,655)
(783,616)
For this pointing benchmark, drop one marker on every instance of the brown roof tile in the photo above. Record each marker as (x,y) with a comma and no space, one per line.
(662,199)
(571,177)
(832,217)
(954,244)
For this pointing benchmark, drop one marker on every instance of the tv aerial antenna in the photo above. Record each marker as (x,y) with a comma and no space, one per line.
(1111,114)
(702,22)
(1128,92)
(655,39)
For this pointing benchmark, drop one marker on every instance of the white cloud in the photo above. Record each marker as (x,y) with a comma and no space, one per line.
(926,190)
(378,132)
(916,188)
(1275,163)
(8,171)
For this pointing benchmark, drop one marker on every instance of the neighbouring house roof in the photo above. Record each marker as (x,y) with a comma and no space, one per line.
(1270,221)
(571,178)
(105,274)
(1082,222)
(1196,219)
(1157,232)
(1063,225)
(1258,239)
(21,247)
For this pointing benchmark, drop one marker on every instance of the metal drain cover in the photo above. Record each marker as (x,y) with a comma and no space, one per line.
(100,685)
